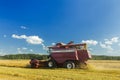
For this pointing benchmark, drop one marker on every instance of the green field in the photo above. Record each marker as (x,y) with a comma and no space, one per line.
(97,70)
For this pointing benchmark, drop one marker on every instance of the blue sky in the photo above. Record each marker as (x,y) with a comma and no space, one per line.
(27,26)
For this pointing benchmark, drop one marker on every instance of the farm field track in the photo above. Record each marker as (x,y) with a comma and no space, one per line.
(99,70)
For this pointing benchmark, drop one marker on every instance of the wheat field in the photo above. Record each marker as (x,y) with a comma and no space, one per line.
(98,70)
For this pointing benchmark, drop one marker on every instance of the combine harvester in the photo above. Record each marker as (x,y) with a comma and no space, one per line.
(68,56)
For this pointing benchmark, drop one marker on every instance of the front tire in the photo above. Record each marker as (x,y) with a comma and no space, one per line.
(51,64)
(69,65)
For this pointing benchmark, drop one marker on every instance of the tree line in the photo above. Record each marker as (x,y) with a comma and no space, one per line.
(42,57)
(103,57)
(24,56)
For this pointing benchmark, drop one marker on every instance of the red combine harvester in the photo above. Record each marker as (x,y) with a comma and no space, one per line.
(64,55)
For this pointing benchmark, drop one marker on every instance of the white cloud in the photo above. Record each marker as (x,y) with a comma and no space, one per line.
(19,50)
(90,49)
(24,48)
(19,37)
(23,27)
(115,39)
(29,39)
(4,36)
(31,50)
(44,47)
(91,42)
(106,46)
(53,44)
(109,42)
(112,40)
(35,40)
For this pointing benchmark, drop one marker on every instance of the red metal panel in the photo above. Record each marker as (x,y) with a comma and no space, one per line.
(62,57)
(83,55)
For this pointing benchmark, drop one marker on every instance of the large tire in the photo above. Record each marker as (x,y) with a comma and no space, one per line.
(69,65)
(51,64)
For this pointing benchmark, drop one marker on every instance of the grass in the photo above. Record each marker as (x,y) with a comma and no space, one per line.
(15,70)
(14,63)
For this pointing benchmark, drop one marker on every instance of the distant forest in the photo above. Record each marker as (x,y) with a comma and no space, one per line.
(24,56)
(103,57)
(41,57)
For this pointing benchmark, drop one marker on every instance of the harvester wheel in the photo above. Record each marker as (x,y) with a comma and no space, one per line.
(51,64)
(69,65)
